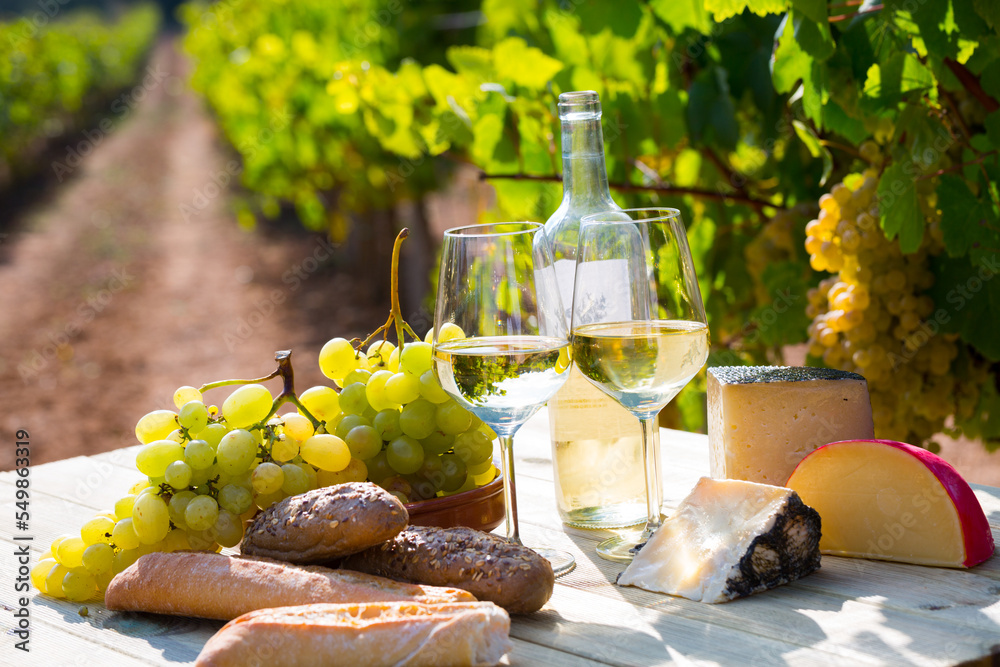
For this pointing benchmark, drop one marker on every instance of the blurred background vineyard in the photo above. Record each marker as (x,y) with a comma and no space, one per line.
(835,162)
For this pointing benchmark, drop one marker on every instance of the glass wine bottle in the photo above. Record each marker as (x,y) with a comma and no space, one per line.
(596,443)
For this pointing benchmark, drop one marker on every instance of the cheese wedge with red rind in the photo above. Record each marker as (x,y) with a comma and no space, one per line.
(892,501)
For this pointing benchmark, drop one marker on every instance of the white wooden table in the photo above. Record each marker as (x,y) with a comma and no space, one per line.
(850,612)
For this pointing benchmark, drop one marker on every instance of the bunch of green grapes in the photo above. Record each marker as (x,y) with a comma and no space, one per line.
(872,316)
(207,473)
(403,431)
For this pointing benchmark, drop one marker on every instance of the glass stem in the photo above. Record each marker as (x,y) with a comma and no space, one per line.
(654,487)
(509,497)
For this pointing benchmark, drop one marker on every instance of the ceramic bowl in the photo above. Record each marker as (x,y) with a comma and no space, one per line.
(482,509)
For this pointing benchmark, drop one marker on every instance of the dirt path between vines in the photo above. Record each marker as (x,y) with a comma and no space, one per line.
(134,279)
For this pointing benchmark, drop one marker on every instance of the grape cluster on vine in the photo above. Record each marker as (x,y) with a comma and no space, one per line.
(872,316)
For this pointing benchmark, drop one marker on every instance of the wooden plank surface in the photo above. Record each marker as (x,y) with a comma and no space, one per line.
(851,611)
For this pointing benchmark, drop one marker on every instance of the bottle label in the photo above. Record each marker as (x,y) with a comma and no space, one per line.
(613,272)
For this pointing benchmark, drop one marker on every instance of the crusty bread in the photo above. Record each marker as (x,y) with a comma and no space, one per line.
(325,523)
(210,585)
(362,635)
(489,567)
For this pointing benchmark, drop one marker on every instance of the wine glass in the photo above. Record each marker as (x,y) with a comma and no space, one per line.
(639,331)
(500,341)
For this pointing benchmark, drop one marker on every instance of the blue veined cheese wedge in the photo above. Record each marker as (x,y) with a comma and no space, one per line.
(763,420)
(728,539)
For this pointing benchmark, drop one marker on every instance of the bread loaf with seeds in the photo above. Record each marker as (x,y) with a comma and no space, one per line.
(325,523)
(489,567)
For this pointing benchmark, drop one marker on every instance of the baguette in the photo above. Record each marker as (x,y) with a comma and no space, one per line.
(489,567)
(325,523)
(210,585)
(374,634)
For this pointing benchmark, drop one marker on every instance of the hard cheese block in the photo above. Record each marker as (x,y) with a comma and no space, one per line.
(893,501)
(726,540)
(762,420)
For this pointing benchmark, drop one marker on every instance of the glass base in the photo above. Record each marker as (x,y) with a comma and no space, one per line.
(619,548)
(621,515)
(562,561)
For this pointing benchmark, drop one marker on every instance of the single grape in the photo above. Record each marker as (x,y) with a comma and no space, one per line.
(54,581)
(236,452)
(79,585)
(386,424)
(199,478)
(353,399)
(70,552)
(294,481)
(178,475)
(473,447)
(311,474)
(150,518)
(177,436)
(40,571)
(417,419)
(452,418)
(356,471)
(364,442)
(198,454)
(186,394)
(97,530)
(285,449)
(375,392)
(415,359)
(235,499)
(98,558)
(193,416)
(449,331)
(393,363)
(156,425)
(378,467)
(247,405)
(227,529)
(201,513)
(397,484)
(454,471)
(153,459)
(337,359)
(123,536)
(176,540)
(212,434)
(297,427)
(430,388)
(267,478)
(402,388)
(437,443)
(124,558)
(349,422)
(138,486)
(405,455)
(327,452)
(359,375)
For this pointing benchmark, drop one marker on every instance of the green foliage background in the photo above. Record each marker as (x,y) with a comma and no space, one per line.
(739,112)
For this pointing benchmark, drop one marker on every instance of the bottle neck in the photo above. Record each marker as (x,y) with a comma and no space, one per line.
(585,177)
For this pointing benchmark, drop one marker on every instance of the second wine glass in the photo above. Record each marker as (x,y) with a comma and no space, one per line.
(639,329)
(500,337)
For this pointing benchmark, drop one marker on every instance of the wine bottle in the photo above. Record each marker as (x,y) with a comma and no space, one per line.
(596,443)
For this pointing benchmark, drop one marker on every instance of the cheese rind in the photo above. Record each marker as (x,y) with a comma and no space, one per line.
(763,420)
(892,501)
(728,539)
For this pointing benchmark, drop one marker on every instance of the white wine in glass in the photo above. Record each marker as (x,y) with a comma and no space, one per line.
(639,330)
(500,337)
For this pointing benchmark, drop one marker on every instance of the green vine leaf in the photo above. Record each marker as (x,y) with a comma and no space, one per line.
(969,224)
(724,9)
(899,208)
(524,65)
(683,14)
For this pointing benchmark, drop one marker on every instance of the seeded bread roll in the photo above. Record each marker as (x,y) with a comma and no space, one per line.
(326,523)
(489,567)
(362,635)
(210,585)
